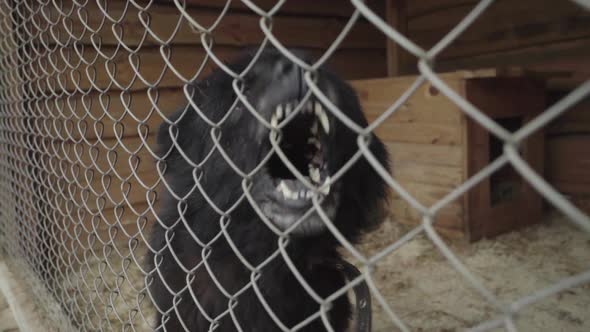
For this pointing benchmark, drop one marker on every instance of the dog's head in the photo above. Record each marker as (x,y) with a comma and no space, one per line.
(301,140)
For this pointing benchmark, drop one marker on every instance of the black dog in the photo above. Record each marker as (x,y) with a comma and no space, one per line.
(210,268)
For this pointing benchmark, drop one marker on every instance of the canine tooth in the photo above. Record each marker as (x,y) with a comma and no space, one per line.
(282,186)
(314,128)
(325,188)
(274,121)
(314,173)
(321,114)
(285,190)
(279,111)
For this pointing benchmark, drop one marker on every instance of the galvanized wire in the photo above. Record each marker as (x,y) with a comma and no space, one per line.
(59,174)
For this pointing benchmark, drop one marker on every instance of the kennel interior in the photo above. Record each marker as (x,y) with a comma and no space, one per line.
(85,85)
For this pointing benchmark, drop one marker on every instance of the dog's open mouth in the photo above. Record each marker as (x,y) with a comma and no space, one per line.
(304,143)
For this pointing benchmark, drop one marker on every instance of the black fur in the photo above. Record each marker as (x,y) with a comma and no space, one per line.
(357,199)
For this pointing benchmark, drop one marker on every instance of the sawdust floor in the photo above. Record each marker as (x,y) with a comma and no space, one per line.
(429,295)
(425,291)
(7,322)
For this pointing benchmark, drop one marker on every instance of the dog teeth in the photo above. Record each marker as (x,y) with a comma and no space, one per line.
(314,128)
(314,174)
(321,114)
(284,110)
(283,188)
(287,193)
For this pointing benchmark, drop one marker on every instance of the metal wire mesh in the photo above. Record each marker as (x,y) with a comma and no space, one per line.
(78,191)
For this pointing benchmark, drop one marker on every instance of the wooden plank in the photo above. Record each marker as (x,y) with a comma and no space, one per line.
(425,7)
(582,202)
(505,25)
(377,95)
(235,29)
(114,109)
(397,56)
(438,175)
(572,189)
(568,163)
(427,184)
(120,193)
(112,224)
(125,72)
(576,121)
(424,133)
(445,155)
(94,198)
(562,64)
(335,8)
(109,156)
(428,194)
(351,64)
(147,179)
(107,116)
(497,97)
(150,65)
(561,72)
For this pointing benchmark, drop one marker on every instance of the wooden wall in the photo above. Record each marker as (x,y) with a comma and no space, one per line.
(550,38)
(543,38)
(568,154)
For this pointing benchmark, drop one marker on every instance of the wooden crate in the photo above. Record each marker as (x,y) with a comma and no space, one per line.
(435,147)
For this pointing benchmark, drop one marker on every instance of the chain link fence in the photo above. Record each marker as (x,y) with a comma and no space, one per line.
(79,186)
